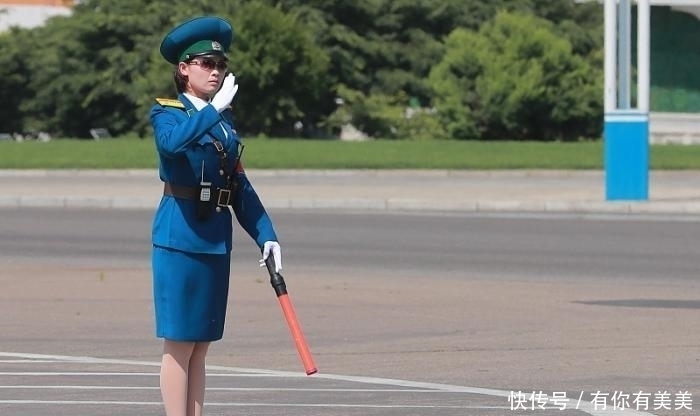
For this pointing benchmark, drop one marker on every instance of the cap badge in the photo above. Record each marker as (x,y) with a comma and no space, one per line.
(216,46)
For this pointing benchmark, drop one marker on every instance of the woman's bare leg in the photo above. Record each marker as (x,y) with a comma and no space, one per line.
(174,376)
(196,379)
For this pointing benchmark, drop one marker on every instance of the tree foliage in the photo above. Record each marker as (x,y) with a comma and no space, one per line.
(283,73)
(14,80)
(100,67)
(516,78)
(488,73)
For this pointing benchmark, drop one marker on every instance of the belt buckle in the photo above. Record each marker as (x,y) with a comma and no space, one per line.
(224,198)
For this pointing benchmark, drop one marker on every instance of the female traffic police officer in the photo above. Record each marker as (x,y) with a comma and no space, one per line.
(204,183)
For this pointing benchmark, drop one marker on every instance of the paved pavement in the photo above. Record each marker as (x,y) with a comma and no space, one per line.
(670,192)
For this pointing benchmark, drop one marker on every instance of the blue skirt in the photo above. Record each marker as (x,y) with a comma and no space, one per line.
(190,293)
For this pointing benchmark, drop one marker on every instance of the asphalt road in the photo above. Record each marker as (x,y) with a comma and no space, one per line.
(508,302)
(447,245)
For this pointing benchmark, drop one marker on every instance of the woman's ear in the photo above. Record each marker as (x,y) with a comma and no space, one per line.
(182,67)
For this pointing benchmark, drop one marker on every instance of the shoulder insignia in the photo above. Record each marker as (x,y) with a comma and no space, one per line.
(170,102)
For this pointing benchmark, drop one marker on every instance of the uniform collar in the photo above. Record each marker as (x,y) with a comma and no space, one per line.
(197,103)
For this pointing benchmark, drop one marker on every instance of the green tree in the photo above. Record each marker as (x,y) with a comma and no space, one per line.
(516,79)
(454,80)
(383,50)
(379,46)
(579,22)
(13,80)
(282,72)
(293,58)
(100,67)
(85,68)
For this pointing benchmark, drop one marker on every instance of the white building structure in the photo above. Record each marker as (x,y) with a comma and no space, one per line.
(31,13)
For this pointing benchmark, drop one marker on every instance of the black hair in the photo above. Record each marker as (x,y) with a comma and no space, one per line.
(180,80)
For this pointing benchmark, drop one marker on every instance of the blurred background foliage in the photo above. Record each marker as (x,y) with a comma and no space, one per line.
(398,69)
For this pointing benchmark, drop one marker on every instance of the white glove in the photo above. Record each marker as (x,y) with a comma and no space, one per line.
(223,98)
(274,247)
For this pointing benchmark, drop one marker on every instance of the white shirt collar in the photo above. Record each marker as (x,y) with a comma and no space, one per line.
(196,101)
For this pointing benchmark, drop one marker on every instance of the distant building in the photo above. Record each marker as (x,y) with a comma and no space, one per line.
(31,13)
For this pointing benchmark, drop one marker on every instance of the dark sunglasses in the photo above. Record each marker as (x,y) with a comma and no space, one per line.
(210,64)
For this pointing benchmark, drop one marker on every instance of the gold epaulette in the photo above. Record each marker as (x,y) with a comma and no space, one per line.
(170,102)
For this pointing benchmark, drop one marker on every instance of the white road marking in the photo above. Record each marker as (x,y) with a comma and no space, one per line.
(586,407)
(277,389)
(252,404)
(81,374)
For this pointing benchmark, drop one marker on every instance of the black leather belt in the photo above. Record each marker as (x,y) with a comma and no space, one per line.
(220,196)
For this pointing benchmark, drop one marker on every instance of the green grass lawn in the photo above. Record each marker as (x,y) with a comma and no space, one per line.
(261,153)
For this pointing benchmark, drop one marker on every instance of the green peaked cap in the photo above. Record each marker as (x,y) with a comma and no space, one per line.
(203,47)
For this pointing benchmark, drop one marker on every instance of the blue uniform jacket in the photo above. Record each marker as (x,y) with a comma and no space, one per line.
(183,138)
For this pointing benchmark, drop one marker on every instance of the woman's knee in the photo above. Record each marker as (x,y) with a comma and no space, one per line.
(200,349)
(180,351)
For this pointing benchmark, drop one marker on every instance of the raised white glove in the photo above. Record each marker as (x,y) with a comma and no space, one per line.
(223,98)
(274,247)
